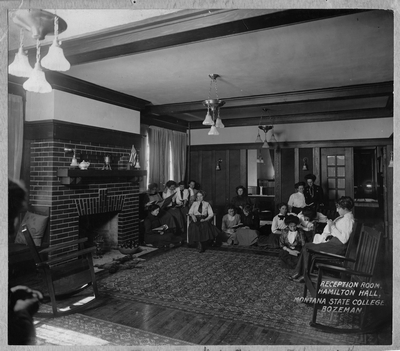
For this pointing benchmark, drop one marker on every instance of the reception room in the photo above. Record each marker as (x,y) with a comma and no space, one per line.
(195,178)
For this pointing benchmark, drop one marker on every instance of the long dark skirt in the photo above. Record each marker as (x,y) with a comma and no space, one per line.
(202,231)
(166,218)
(179,220)
(271,241)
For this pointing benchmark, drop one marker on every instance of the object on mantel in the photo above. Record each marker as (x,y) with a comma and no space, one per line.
(84,165)
(107,163)
(73,176)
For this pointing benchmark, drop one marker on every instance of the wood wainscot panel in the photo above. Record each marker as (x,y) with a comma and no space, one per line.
(234,172)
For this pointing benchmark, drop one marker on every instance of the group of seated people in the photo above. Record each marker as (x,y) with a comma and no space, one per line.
(297,224)
(169,211)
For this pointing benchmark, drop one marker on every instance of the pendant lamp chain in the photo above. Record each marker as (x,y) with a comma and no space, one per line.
(37,50)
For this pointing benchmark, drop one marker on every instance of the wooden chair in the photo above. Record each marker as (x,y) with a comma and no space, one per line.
(65,275)
(361,272)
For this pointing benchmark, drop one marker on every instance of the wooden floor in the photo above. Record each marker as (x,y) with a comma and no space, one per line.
(192,327)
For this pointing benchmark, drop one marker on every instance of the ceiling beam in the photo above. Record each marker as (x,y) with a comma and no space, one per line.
(305,118)
(182,28)
(348,92)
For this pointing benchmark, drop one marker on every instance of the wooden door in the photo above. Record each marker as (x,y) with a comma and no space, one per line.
(337,177)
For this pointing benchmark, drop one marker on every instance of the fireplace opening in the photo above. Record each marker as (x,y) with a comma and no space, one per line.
(100,228)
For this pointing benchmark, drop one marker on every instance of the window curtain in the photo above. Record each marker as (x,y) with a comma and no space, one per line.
(161,141)
(178,148)
(158,156)
(15,135)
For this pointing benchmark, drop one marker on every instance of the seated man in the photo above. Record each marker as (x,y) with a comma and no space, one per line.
(335,236)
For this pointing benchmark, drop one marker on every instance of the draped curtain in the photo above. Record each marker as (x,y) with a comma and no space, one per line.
(158,156)
(15,135)
(164,143)
(179,148)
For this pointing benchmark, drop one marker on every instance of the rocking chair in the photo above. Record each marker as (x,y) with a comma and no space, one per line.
(361,272)
(65,275)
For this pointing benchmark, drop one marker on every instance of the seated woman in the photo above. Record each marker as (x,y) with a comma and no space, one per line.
(170,193)
(241,199)
(157,233)
(291,241)
(334,238)
(248,234)
(230,223)
(154,197)
(201,230)
(297,201)
(278,224)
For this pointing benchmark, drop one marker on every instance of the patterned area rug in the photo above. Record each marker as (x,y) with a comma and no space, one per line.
(80,330)
(231,285)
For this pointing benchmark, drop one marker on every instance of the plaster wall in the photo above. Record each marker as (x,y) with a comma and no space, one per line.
(77,109)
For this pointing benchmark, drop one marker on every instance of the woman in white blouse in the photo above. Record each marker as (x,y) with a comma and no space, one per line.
(297,201)
(201,230)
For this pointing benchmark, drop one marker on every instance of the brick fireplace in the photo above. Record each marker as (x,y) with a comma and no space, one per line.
(89,192)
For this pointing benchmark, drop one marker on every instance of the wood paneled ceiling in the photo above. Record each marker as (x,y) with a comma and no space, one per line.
(277,66)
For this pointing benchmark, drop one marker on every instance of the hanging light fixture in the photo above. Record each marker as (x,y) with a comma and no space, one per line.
(214,106)
(40,23)
(20,66)
(265,129)
(55,59)
(37,82)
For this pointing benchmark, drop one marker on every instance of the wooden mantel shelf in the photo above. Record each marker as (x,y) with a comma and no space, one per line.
(75,176)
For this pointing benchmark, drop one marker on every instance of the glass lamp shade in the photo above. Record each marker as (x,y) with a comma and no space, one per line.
(265,145)
(258,140)
(37,82)
(213,131)
(219,123)
(55,59)
(20,66)
(208,121)
(273,139)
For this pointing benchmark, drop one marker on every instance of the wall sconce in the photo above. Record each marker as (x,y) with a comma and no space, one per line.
(391,160)
(305,164)
(218,168)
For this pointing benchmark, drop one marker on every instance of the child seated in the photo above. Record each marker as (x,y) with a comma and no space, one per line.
(291,241)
